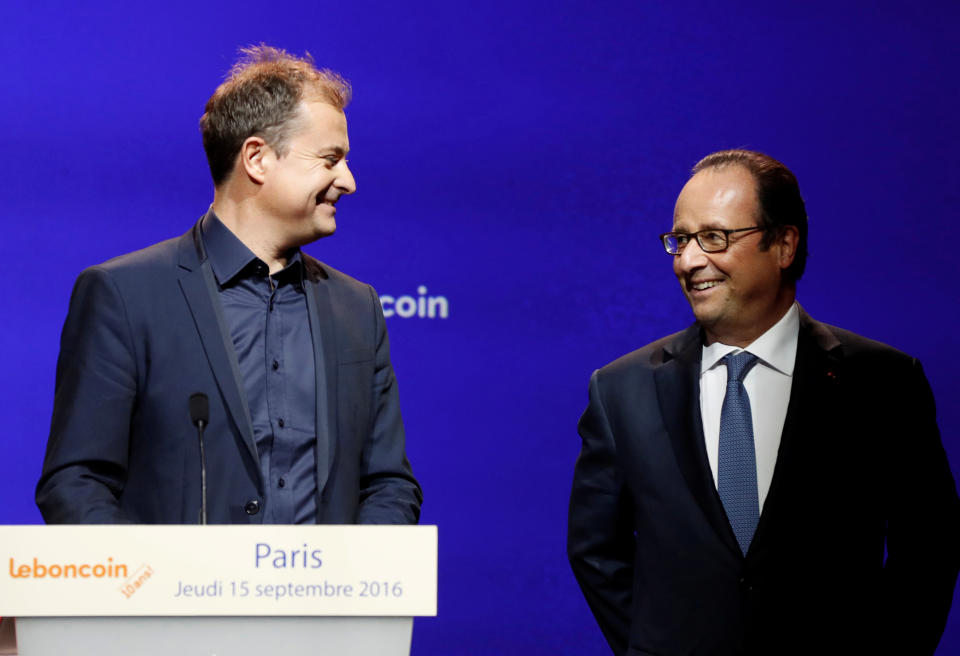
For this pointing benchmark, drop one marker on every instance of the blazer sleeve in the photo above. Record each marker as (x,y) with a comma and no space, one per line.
(923,526)
(85,464)
(389,494)
(600,539)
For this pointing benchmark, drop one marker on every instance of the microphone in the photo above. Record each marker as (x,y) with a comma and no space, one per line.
(200,416)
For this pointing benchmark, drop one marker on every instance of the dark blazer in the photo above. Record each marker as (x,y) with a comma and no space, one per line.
(858,545)
(144,332)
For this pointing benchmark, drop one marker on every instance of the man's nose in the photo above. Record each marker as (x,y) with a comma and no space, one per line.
(690,258)
(345,181)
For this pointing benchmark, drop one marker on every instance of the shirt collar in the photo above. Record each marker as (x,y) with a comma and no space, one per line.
(777,348)
(229,256)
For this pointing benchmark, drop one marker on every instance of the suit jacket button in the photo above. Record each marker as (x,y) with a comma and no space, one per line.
(252,507)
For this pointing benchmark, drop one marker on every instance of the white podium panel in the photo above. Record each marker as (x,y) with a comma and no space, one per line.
(65,571)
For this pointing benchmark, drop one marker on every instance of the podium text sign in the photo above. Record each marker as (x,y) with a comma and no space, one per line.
(196,588)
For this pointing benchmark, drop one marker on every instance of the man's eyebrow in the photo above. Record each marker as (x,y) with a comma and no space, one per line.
(709,225)
(336,150)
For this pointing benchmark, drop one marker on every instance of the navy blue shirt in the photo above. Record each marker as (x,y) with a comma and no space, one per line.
(270,327)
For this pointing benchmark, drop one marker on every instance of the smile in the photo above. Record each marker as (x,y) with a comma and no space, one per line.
(700,286)
(324,201)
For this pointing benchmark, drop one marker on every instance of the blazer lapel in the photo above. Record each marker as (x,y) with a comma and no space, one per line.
(322,327)
(814,378)
(678,393)
(200,291)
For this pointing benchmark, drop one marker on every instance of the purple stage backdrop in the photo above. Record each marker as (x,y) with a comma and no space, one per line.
(515,163)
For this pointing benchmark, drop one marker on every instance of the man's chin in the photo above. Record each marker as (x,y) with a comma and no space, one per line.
(700,307)
(324,228)
(704,313)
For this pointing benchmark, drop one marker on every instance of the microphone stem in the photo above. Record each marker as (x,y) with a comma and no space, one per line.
(203,474)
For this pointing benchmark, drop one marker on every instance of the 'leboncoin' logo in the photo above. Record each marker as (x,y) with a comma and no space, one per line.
(42,570)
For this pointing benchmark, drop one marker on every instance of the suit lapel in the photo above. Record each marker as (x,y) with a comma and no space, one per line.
(814,377)
(678,393)
(199,289)
(322,329)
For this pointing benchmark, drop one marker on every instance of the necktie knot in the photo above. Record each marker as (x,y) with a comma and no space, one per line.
(738,365)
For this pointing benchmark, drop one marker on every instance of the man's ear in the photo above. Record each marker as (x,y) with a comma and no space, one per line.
(253,155)
(786,244)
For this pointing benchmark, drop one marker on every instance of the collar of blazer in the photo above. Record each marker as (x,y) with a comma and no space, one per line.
(192,254)
(685,345)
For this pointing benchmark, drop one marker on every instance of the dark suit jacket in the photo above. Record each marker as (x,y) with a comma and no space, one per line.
(858,544)
(144,332)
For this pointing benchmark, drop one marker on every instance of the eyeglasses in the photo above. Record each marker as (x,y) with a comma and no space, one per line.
(712,240)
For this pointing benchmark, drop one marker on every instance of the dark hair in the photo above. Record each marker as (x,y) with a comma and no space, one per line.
(778,199)
(261,96)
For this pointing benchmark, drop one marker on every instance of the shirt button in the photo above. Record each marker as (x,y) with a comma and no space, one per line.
(281,482)
(252,507)
(276,365)
(280,423)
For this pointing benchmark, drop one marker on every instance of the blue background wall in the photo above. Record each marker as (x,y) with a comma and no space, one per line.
(518,159)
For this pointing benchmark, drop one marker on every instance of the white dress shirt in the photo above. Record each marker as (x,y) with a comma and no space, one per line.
(768,385)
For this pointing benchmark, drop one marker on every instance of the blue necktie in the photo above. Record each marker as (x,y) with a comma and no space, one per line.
(737,461)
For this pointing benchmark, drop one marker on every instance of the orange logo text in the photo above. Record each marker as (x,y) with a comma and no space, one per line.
(38,570)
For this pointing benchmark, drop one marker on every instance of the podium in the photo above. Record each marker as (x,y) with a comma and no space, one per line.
(217,590)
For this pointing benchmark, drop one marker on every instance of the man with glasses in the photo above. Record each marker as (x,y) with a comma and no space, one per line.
(760,483)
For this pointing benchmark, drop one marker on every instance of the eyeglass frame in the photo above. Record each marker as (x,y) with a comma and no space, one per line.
(696,235)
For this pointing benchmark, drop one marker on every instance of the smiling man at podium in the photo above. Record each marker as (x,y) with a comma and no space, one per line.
(286,359)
